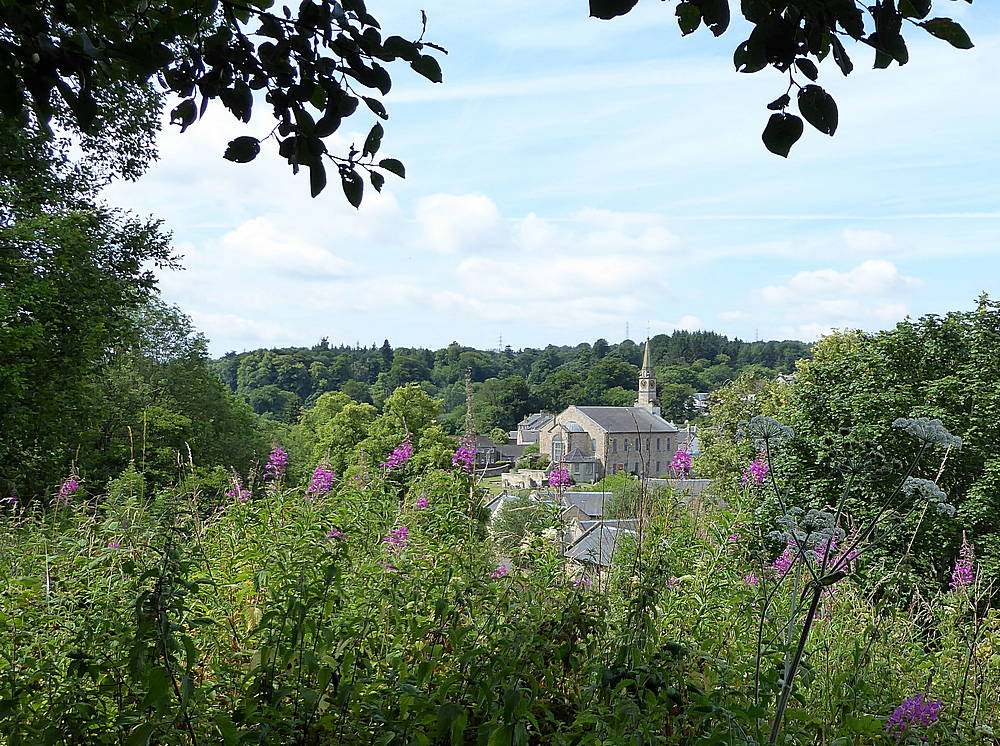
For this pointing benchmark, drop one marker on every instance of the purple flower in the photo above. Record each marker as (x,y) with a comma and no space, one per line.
(465,457)
(915,713)
(784,561)
(500,572)
(582,582)
(238,491)
(681,463)
(751,579)
(756,472)
(398,538)
(322,481)
(962,574)
(673,583)
(558,477)
(113,545)
(334,533)
(422,502)
(66,490)
(277,462)
(400,455)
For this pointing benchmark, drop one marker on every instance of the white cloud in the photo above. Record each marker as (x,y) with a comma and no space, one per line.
(258,242)
(458,223)
(872,278)
(733,316)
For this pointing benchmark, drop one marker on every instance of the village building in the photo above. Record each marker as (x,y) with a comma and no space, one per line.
(591,442)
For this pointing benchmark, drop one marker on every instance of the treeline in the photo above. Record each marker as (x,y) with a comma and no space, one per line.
(280,383)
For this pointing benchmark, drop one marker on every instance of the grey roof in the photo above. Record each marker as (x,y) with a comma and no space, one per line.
(535,421)
(576,456)
(511,451)
(629,523)
(529,436)
(627,420)
(573,427)
(589,503)
(598,545)
(497,501)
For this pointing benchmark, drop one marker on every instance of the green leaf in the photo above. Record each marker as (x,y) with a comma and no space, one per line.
(832,578)
(374,140)
(393,166)
(749,57)
(715,13)
(184,114)
(780,103)
(317,177)
(376,106)
(808,68)
(688,17)
(818,108)
(242,150)
(397,46)
(608,9)
(951,32)
(840,55)
(915,8)
(428,67)
(354,186)
(781,133)
(377,180)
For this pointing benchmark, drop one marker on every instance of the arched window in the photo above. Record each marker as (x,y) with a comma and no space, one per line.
(557,448)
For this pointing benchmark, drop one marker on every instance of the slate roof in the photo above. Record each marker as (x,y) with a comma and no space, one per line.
(598,545)
(535,421)
(627,420)
(589,503)
(630,523)
(572,427)
(576,456)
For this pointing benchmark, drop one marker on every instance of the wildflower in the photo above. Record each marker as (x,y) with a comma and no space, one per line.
(113,545)
(962,574)
(500,572)
(681,463)
(465,456)
(912,714)
(277,462)
(66,490)
(784,561)
(673,583)
(765,430)
(756,472)
(581,582)
(398,538)
(239,492)
(751,579)
(399,456)
(334,533)
(422,502)
(924,488)
(322,481)
(734,539)
(932,432)
(558,477)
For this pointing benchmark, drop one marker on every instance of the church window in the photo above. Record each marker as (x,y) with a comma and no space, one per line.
(657,467)
(668,444)
(576,468)
(614,446)
(557,448)
(593,445)
(637,447)
(625,441)
(657,444)
(647,444)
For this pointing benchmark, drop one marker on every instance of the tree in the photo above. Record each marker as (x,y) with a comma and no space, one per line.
(794,37)
(83,64)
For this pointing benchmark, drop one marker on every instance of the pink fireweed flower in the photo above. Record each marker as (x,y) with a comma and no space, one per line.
(784,561)
(914,714)
(756,472)
(582,582)
(113,545)
(465,457)
(334,533)
(67,490)
(962,574)
(681,463)
(239,492)
(399,456)
(751,579)
(558,477)
(321,483)
(499,572)
(422,502)
(277,462)
(673,583)
(398,538)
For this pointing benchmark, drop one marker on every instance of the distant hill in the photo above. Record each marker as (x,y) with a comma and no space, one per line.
(508,384)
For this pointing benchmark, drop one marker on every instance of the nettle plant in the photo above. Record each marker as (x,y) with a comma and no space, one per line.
(819,552)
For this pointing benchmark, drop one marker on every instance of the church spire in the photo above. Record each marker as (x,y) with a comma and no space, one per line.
(647,384)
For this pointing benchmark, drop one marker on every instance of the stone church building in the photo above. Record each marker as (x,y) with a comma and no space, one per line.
(591,442)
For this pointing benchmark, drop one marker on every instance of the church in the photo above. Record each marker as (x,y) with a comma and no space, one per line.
(591,442)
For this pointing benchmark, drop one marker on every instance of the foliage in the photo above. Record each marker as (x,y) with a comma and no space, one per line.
(794,38)
(87,64)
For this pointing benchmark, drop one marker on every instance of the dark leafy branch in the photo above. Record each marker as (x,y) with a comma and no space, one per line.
(794,36)
(312,67)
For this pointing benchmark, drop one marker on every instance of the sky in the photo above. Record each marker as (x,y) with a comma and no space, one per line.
(573,179)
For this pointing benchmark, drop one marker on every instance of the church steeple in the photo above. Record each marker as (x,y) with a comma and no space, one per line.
(647,384)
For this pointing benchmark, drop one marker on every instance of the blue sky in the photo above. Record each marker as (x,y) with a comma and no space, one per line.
(573,175)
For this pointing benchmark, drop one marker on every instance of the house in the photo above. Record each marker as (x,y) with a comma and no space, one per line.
(529,427)
(591,442)
(597,546)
